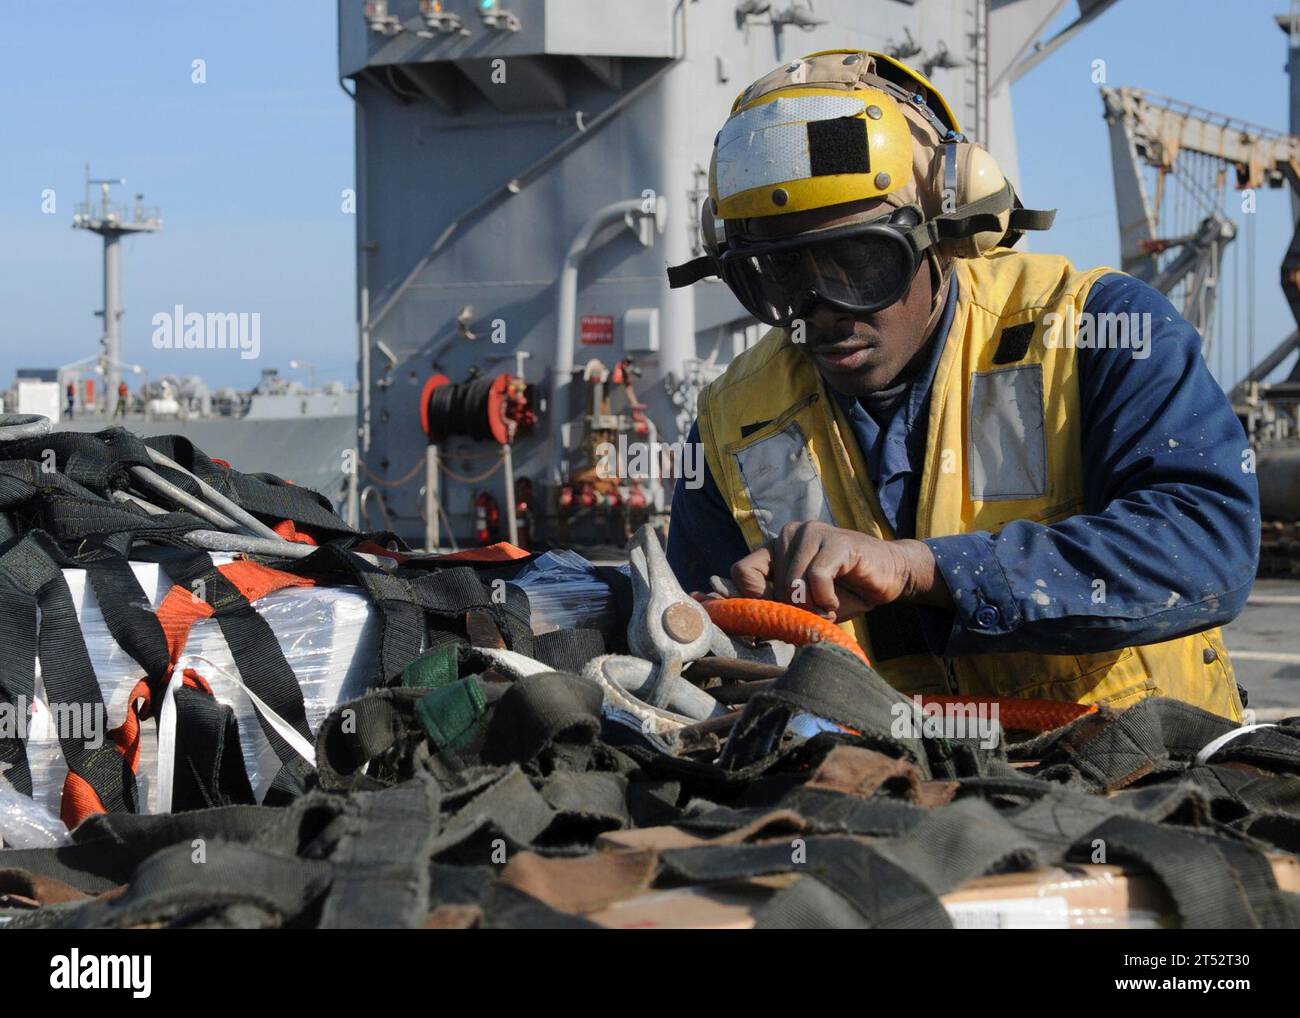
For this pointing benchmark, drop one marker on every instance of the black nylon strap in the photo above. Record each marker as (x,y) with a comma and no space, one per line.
(402,627)
(409,604)
(1195,871)
(268,887)
(1112,749)
(1032,219)
(125,606)
(107,848)
(82,457)
(17,680)
(568,650)
(72,690)
(257,655)
(538,710)
(381,863)
(209,767)
(69,680)
(829,682)
(264,495)
(382,724)
(691,272)
(209,764)
(864,889)
(69,511)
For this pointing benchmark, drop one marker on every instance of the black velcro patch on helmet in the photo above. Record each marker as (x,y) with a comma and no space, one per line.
(1013,344)
(838,146)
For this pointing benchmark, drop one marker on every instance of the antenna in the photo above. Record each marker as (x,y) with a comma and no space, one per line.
(113,221)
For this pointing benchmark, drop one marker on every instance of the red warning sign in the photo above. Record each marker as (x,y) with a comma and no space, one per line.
(597,330)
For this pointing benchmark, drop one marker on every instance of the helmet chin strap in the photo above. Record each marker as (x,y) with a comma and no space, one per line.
(940,282)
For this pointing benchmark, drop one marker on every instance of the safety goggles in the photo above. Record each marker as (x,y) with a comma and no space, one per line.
(858,269)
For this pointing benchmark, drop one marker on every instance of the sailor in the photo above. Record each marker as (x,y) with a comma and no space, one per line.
(1006,476)
(123,397)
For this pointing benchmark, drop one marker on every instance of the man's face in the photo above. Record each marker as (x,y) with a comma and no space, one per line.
(857,354)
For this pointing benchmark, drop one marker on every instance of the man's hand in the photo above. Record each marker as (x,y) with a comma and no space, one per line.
(837,572)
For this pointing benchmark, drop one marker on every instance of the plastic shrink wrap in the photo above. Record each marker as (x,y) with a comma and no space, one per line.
(327,636)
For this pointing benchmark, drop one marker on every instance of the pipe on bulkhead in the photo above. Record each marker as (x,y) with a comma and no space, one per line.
(629,210)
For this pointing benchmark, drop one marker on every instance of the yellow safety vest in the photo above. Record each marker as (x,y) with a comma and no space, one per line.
(1003,444)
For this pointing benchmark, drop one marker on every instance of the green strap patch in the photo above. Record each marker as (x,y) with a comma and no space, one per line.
(433,670)
(454,715)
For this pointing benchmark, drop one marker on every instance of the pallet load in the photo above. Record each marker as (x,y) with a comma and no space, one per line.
(354,735)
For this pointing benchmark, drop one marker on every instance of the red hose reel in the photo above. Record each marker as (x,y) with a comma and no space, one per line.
(493,409)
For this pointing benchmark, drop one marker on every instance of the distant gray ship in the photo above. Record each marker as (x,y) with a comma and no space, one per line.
(299,432)
(280,427)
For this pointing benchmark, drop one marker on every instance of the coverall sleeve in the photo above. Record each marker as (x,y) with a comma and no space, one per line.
(1169,540)
(704,539)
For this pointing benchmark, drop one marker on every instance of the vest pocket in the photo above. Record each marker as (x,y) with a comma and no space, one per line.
(1008,452)
(780,478)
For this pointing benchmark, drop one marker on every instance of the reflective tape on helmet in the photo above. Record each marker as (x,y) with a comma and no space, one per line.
(769,144)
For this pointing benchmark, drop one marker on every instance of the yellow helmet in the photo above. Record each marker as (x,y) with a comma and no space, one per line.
(839,126)
(826,129)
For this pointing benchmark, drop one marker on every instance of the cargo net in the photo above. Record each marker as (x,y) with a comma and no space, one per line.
(479,764)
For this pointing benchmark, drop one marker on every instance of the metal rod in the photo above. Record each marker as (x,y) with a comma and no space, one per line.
(451,530)
(713,726)
(183,498)
(232,509)
(112,315)
(219,540)
(739,692)
(214,540)
(147,506)
(370,491)
(731,670)
(432,523)
(512,525)
(353,511)
(566,314)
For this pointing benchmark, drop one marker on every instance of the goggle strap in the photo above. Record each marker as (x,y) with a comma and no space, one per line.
(977,217)
(691,272)
(981,216)
(1032,219)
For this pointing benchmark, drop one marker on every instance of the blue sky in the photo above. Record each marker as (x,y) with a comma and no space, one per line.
(1229,57)
(248,167)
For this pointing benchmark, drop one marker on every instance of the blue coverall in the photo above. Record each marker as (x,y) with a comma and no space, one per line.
(1171,523)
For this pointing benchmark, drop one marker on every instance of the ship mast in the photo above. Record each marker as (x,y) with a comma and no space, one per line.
(113,221)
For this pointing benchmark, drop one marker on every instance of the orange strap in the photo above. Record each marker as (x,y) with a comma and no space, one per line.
(502,551)
(1021,714)
(740,616)
(287,530)
(181,608)
(79,801)
(177,613)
